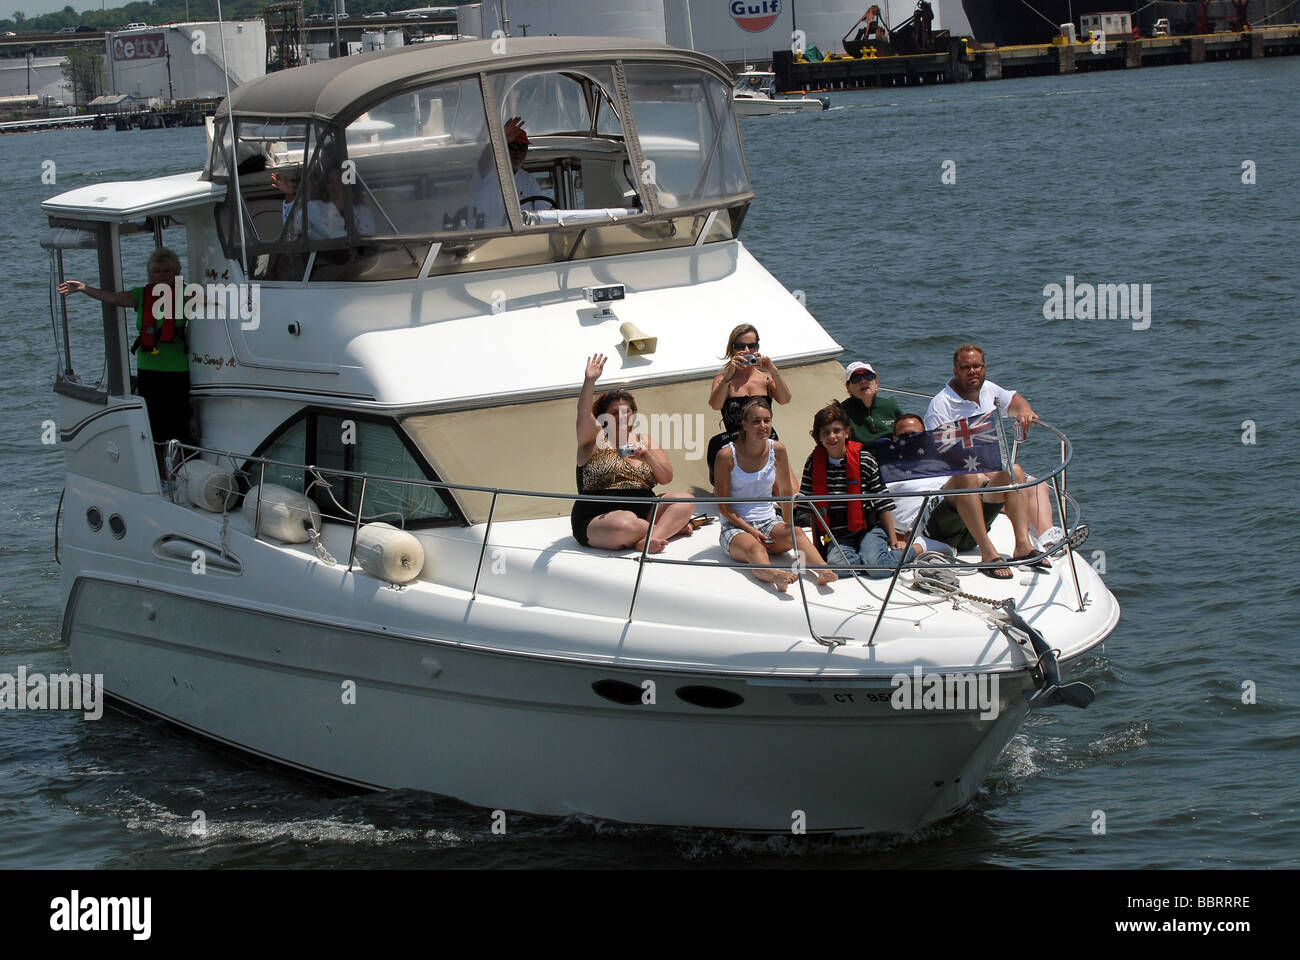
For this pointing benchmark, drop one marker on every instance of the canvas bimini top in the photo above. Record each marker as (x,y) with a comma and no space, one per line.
(332,88)
(350,169)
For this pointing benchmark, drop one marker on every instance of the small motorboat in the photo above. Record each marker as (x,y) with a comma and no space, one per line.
(755,96)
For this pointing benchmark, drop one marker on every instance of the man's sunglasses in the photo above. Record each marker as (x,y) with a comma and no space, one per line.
(745,346)
(862,375)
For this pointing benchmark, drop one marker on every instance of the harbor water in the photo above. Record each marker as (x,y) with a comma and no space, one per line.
(911,220)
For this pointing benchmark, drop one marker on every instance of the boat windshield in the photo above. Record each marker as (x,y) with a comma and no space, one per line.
(364,196)
(755,84)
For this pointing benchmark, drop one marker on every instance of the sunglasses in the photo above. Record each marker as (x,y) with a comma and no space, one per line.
(862,375)
(745,346)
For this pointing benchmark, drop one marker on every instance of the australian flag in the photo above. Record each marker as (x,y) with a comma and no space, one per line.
(971,445)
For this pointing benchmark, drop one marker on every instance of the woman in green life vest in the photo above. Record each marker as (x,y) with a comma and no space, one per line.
(162,360)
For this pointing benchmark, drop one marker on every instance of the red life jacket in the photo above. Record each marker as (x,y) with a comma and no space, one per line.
(150,336)
(852,478)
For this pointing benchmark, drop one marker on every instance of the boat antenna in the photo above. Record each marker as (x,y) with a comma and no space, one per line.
(234,136)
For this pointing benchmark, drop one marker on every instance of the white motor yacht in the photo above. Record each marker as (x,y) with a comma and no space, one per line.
(364,568)
(755,96)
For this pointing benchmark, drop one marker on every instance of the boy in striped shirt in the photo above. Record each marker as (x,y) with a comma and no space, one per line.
(864,529)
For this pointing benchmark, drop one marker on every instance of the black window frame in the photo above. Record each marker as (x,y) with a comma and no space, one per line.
(310,414)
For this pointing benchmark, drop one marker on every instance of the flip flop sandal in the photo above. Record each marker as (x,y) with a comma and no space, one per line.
(1036,559)
(993,572)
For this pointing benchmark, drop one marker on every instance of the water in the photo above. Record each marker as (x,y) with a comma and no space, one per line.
(1125,177)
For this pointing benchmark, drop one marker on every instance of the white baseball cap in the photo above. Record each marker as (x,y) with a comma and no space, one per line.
(855,366)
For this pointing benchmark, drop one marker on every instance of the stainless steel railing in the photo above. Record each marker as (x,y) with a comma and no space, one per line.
(1056,477)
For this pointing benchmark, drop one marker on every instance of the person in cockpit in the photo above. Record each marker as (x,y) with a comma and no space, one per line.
(325,218)
(486,201)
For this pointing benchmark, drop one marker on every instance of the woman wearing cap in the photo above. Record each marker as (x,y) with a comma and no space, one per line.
(870,417)
(746,375)
(613,459)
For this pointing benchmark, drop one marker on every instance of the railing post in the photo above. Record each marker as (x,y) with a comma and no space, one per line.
(487,532)
(356,527)
(1069,553)
(907,552)
(636,588)
(257,511)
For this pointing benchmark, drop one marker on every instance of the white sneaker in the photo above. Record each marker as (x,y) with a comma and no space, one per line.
(1051,537)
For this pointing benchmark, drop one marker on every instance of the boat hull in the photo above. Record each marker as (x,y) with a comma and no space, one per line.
(761,107)
(531,733)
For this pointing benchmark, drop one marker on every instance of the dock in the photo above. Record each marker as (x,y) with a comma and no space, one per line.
(963,61)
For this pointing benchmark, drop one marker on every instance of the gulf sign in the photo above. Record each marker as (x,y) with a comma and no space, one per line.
(139,46)
(755,16)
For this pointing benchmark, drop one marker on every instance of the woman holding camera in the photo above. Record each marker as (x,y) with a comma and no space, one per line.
(612,458)
(746,375)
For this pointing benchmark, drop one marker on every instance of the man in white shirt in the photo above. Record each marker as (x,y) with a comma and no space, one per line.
(485,199)
(968,394)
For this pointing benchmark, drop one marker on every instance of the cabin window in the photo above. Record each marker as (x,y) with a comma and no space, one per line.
(688,135)
(581,163)
(425,162)
(345,441)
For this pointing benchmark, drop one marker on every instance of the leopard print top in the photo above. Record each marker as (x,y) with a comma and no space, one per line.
(606,470)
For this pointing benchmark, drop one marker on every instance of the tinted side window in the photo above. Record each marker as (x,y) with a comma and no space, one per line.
(334,441)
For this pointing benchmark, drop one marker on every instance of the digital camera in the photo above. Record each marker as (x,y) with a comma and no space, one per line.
(626,450)
(751,358)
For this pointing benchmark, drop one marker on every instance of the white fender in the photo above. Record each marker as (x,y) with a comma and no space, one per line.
(387,553)
(284,513)
(206,485)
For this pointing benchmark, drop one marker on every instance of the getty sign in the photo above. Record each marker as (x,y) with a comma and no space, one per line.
(139,46)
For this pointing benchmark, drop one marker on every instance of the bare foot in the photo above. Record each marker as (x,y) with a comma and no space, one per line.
(826,576)
(783,579)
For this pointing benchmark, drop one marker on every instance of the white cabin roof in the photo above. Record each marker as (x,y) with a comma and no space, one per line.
(130,200)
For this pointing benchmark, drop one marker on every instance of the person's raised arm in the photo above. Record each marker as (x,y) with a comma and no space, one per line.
(118,298)
(776,385)
(587,427)
(722,382)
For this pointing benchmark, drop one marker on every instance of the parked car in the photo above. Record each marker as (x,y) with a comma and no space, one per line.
(1161,29)
(9,33)
(415,16)
(86,28)
(136,26)
(377,15)
(66,30)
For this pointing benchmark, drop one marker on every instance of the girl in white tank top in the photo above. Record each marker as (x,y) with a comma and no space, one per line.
(752,532)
